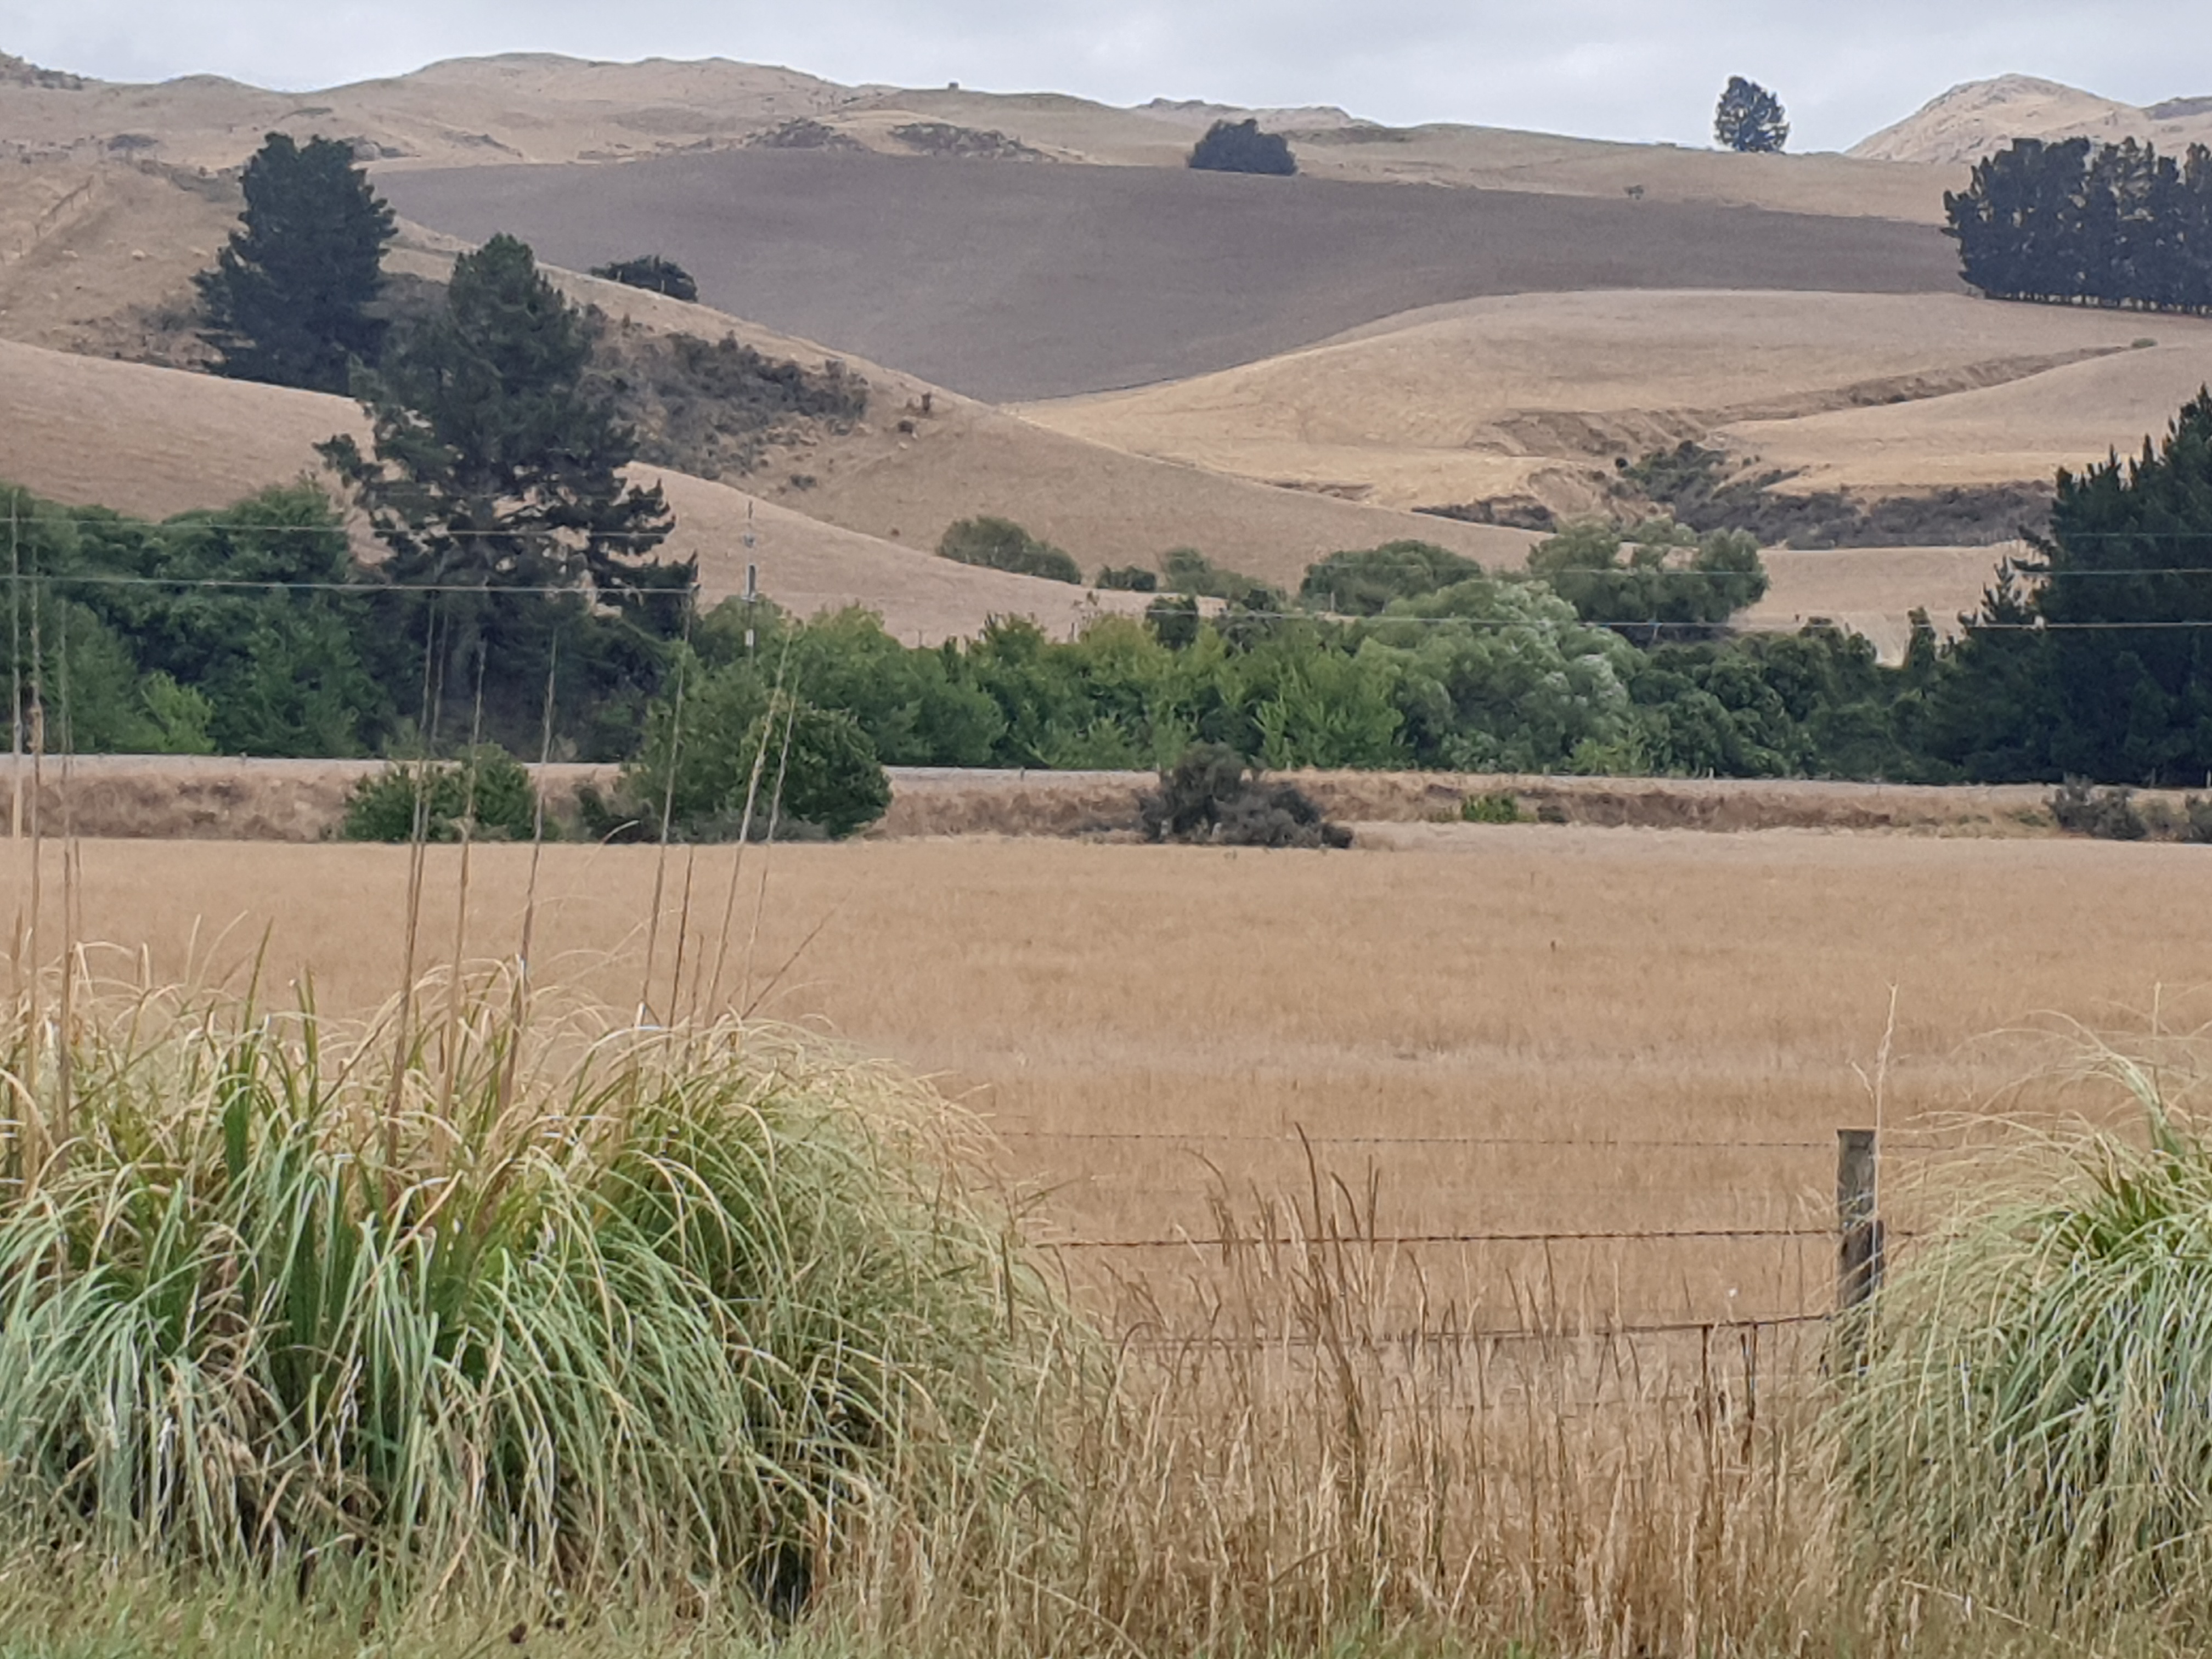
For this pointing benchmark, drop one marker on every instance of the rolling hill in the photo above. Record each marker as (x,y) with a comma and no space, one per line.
(1539,394)
(1016,281)
(1971,121)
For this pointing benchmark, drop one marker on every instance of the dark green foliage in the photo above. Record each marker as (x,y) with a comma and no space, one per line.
(142,655)
(722,738)
(2080,808)
(1240,147)
(1174,621)
(1493,808)
(1209,795)
(1128,579)
(1749,118)
(1187,570)
(289,300)
(2113,225)
(653,273)
(486,790)
(497,475)
(1671,583)
(1360,584)
(2074,666)
(1002,544)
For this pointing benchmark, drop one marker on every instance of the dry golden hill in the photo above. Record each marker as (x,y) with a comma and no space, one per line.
(540,107)
(1006,280)
(1538,395)
(1971,121)
(2066,416)
(159,441)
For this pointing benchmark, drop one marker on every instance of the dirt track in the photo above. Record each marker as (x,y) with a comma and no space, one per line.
(1021,281)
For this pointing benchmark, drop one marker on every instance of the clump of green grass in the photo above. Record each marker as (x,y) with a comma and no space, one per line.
(487,1303)
(2033,1421)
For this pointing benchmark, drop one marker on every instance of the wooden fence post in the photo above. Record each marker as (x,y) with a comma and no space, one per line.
(1858,1228)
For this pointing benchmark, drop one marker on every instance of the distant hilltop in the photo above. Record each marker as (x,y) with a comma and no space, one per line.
(1196,112)
(1971,121)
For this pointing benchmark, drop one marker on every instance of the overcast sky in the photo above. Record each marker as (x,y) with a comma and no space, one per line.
(1612,69)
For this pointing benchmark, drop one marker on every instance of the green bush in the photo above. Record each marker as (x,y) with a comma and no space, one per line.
(1187,570)
(487,789)
(1128,579)
(735,755)
(1671,581)
(591,1308)
(1497,807)
(1360,584)
(1002,544)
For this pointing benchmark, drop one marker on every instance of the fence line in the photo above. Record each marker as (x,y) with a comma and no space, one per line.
(1329,1241)
(1292,1138)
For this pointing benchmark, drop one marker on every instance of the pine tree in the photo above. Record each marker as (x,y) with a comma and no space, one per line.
(2099,665)
(1750,118)
(497,467)
(288,301)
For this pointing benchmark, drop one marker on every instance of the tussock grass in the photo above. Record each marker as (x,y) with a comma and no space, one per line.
(2032,1424)
(485,1303)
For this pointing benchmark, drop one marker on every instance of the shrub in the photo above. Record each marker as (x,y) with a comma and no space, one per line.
(1671,581)
(1002,544)
(1187,570)
(2030,1419)
(1359,584)
(1209,795)
(1174,622)
(744,756)
(488,789)
(1497,807)
(1240,147)
(1128,579)
(575,1305)
(2080,808)
(653,273)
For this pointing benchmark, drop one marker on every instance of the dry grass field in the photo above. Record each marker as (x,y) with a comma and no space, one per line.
(1969,121)
(1004,280)
(1540,393)
(1516,1034)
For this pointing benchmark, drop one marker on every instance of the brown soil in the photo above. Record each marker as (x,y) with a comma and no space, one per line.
(1031,282)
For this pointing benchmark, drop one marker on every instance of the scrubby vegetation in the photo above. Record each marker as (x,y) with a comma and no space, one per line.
(1360,584)
(963,144)
(486,794)
(653,272)
(1002,544)
(1210,795)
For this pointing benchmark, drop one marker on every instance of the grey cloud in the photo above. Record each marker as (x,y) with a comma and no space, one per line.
(1624,69)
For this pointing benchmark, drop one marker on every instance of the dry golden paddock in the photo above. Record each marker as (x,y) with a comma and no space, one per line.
(1532,1029)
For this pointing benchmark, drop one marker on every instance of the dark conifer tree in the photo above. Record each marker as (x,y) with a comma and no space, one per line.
(288,301)
(497,467)
(1749,117)
(2098,663)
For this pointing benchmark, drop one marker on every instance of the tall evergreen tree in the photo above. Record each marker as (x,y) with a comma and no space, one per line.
(288,301)
(1749,117)
(497,481)
(2101,664)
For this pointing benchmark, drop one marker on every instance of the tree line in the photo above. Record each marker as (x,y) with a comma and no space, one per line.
(2067,220)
